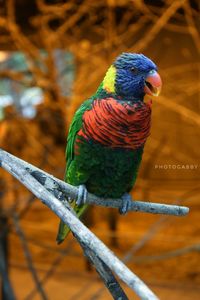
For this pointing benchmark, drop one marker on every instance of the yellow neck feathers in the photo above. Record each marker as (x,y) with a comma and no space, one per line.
(109,80)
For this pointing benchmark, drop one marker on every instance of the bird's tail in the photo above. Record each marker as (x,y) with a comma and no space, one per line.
(63,229)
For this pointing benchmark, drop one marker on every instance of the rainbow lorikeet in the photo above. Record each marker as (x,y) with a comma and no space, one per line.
(108,132)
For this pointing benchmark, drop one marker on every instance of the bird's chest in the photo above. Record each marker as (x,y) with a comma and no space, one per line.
(112,170)
(117,125)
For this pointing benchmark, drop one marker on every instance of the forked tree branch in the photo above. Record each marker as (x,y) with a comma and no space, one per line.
(104,272)
(45,187)
(64,191)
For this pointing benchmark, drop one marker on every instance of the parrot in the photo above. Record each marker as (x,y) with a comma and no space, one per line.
(108,132)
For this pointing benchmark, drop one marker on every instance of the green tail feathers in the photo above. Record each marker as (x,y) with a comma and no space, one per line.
(63,229)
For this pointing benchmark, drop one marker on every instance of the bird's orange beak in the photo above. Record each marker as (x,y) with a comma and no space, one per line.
(153,84)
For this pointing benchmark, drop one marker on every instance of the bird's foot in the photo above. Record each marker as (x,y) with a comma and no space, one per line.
(82,195)
(126,204)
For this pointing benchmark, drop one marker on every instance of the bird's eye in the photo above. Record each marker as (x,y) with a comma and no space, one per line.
(134,70)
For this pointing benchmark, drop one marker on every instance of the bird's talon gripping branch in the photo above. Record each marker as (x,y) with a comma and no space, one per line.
(82,195)
(126,203)
(70,200)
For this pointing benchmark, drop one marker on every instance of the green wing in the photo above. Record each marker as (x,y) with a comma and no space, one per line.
(71,173)
(74,129)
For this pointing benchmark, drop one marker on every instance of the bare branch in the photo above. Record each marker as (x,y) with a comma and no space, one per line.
(51,269)
(169,12)
(66,213)
(166,255)
(17,76)
(17,34)
(191,25)
(183,111)
(5,281)
(63,191)
(105,273)
(28,257)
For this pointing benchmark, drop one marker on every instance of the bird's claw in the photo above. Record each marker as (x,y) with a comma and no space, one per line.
(126,203)
(82,195)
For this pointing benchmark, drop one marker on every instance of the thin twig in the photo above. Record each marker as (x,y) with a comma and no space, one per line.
(51,270)
(29,258)
(166,255)
(156,28)
(191,25)
(7,287)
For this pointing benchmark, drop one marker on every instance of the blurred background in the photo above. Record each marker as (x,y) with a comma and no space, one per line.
(53,55)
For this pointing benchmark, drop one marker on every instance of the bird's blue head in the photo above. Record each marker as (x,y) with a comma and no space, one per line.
(131,76)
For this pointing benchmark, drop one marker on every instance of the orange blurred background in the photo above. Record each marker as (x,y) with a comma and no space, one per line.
(66,48)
